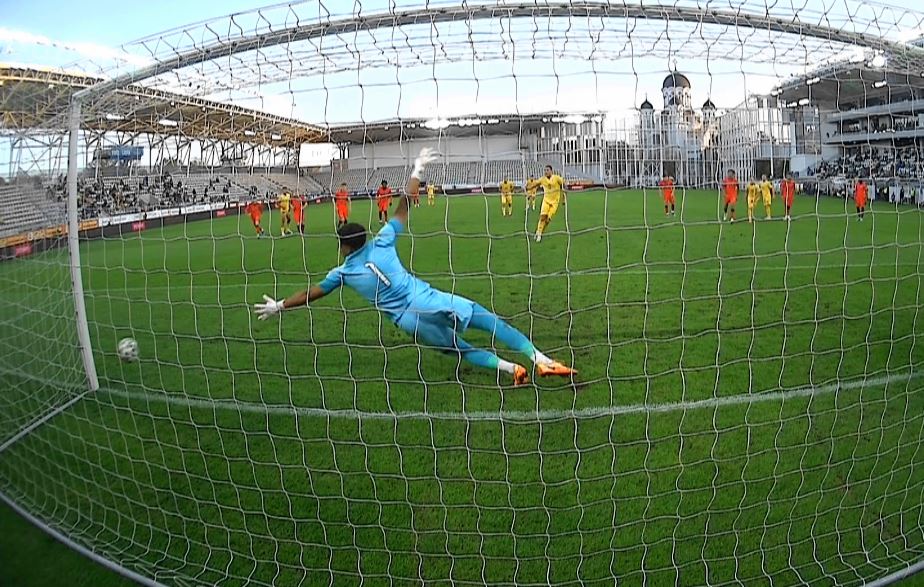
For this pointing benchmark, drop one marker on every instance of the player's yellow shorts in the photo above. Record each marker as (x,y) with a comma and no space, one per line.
(507,200)
(752,202)
(549,208)
(768,201)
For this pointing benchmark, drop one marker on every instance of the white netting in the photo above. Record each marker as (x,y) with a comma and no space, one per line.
(748,407)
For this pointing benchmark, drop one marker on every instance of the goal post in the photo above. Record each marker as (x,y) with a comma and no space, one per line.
(73,246)
(747,406)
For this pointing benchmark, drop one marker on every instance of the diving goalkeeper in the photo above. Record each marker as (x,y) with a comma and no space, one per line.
(431,316)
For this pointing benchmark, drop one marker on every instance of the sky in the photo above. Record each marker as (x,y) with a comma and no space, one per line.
(87,34)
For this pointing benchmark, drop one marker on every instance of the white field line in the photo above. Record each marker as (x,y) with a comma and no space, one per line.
(99,291)
(514,415)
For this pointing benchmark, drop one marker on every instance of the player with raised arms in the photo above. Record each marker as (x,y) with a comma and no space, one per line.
(553,194)
(506,194)
(342,204)
(730,189)
(433,317)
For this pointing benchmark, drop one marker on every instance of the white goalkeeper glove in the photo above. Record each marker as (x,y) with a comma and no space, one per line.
(425,156)
(268,309)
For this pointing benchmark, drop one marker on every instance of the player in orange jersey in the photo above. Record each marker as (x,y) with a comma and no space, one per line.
(788,191)
(342,204)
(298,213)
(667,190)
(384,199)
(860,195)
(255,210)
(730,189)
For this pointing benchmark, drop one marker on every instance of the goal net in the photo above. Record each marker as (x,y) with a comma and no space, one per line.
(748,406)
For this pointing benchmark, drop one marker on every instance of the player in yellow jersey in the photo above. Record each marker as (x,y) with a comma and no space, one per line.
(506,192)
(284,204)
(753,195)
(766,192)
(553,188)
(531,187)
(431,194)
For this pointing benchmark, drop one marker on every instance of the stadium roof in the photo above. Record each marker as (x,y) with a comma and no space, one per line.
(33,98)
(458,126)
(851,85)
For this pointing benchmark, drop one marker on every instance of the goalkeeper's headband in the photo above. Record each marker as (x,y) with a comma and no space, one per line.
(352,235)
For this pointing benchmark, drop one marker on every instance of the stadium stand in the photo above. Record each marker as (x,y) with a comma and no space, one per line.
(903,163)
(297,184)
(26,205)
(22,207)
(487,173)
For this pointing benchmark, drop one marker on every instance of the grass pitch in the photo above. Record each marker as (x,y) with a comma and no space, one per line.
(706,439)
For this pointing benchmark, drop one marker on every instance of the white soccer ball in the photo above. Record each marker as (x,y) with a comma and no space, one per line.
(128,349)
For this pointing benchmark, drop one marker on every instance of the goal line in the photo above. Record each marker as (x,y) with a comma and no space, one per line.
(518,415)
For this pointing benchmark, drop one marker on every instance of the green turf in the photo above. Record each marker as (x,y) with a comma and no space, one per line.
(162,473)
(32,558)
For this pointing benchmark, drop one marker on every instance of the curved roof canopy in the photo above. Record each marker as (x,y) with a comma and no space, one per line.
(36,99)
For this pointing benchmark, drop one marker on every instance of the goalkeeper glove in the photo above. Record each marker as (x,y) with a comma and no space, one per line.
(425,156)
(268,309)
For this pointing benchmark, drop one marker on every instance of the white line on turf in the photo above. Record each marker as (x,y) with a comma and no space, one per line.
(97,291)
(516,415)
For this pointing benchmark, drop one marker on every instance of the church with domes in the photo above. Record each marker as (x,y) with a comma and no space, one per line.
(678,140)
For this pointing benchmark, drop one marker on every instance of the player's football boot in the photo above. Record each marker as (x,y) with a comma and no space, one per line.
(520,375)
(554,368)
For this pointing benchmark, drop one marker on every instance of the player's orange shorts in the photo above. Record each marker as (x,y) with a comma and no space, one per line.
(255,219)
(787,201)
(731,200)
(383,204)
(861,201)
(668,197)
(342,211)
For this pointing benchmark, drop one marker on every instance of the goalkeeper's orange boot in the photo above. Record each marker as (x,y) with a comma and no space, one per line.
(554,368)
(520,375)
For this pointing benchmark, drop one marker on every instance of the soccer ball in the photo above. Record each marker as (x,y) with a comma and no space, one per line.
(128,349)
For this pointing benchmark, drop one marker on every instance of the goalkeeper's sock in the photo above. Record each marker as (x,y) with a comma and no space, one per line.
(505,366)
(483,358)
(540,358)
(487,321)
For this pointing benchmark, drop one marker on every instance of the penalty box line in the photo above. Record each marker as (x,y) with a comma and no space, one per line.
(515,415)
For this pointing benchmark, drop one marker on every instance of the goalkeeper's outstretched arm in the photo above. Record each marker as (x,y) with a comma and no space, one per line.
(271,307)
